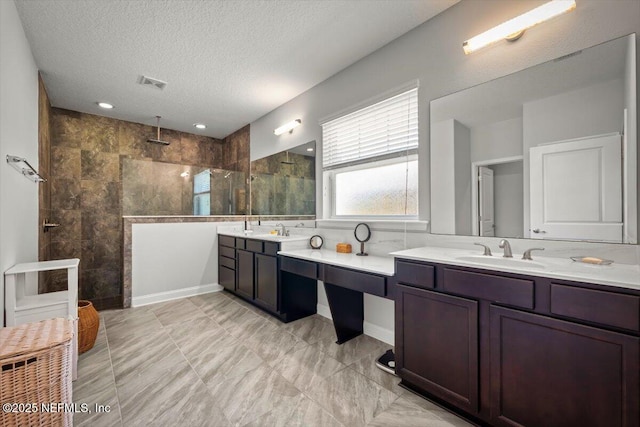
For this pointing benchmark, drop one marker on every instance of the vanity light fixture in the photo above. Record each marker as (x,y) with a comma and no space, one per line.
(105,105)
(514,28)
(200,125)
(288,127)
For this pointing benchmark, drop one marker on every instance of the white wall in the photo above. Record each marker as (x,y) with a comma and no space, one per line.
(433,54)
(444,170)
(508,202)
(496,140)
(173,260)
(19,137)
(462,172)
(631,149)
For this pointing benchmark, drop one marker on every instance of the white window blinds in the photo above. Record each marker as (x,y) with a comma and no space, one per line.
(384,128)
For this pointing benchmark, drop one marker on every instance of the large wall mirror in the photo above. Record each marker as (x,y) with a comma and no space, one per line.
(549,152)
(285,183)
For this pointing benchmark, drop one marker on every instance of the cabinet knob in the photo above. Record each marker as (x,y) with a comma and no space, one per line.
(537,230)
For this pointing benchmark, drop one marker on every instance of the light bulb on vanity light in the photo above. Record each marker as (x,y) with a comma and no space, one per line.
(513,28)
(287,127)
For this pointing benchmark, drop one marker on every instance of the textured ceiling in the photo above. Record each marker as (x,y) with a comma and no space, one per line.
(227,62)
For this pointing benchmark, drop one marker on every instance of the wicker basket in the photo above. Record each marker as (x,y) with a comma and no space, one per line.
(36,372)
(88,323)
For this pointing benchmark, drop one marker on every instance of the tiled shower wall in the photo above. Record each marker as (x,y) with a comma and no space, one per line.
(86,190)
(44,188)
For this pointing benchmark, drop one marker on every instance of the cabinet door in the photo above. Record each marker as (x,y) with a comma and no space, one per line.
(437,344)
(267,281)
(227,278)
(549,372)
(244,283)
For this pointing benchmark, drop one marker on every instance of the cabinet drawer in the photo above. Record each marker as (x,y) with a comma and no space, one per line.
(363,282)
(413,273)
(606,308)
(507,290)
(254,246)
(299,267)
(227,241)
(240,243)
(227,262)
(271,248)
(228,252)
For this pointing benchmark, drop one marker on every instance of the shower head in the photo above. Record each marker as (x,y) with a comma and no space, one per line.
(287,162)
(158,140)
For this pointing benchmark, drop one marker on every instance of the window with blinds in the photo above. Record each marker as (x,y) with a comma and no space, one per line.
(382,130)
(370,162)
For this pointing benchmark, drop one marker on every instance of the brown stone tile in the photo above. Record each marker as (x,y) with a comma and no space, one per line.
(100,283)
(100,254)
(99,134)
(132,139)
(101,196)
(98,225)
(66,249)
(58,280)
(65,194)
(65,128)
(65,163)
(100,166)
(70,225)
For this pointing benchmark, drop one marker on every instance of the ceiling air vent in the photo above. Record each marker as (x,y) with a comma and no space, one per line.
(151,82)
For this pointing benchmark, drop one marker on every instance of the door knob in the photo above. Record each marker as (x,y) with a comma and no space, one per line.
(537,230)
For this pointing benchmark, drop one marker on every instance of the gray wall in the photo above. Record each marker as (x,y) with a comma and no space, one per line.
(508,201)
(462,153)
(19,137)
(433,53)
(496,140)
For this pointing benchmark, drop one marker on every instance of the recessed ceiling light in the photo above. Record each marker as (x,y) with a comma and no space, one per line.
(310,149)
(200,125)
(105,105)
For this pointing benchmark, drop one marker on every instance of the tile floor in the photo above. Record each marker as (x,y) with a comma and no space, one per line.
(214,360)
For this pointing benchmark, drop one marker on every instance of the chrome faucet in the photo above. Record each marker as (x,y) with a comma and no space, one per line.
(504,244)
(487,249)
(527,253)
(283,231)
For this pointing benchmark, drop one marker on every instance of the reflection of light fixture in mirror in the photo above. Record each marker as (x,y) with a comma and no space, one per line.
(288,127)
(184,174)
(513,28)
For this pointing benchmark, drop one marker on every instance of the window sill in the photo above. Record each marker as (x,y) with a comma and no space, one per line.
(375,224)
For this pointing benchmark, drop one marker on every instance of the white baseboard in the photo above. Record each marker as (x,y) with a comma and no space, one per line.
(324,311)
(379,333)
(374,331)
(176,294)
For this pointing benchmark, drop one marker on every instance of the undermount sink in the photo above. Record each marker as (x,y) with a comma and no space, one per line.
(501,261)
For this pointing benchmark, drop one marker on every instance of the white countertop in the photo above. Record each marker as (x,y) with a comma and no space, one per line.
(265,236)
(371,263)
(619,275)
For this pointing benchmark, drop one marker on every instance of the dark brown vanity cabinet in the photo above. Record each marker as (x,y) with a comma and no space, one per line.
(515,350)
(254,275)
(227,262)
(245,273)
(439,338)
